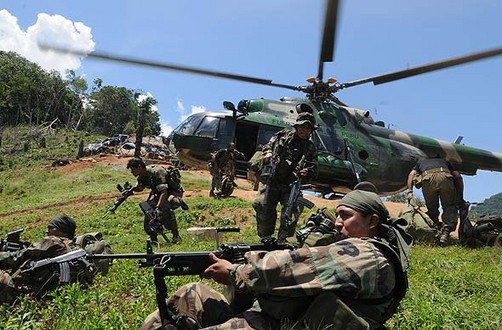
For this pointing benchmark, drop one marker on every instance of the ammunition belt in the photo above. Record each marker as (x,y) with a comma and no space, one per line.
(436,170)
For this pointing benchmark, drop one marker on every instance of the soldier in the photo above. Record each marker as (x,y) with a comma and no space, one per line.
(165,196)
(222,163)
(59,240)
(286,150)
(439,182)
(357,282)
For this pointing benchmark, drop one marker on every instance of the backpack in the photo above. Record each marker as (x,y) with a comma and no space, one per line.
(173,178)
(93,243)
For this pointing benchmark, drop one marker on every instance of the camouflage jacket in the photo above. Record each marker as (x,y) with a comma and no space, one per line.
(47,247)
(287,152)
(224,158)
(358,271)
(40,282)
(157,180)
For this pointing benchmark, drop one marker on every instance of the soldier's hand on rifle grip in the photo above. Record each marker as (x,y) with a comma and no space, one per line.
(304,172)
(219,271)
(267,157)
(158,213)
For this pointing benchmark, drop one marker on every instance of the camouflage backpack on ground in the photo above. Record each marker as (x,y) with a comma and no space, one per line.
(93,243)
(420,225)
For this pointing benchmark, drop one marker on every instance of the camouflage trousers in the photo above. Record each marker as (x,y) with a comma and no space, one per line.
(440,187)
(202,307)
(265,206)
(8,290)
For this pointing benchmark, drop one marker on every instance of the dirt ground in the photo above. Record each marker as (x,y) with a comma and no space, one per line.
(243,191)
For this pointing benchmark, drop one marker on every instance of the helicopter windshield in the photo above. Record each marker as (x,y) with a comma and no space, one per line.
(189,125)
(208,127)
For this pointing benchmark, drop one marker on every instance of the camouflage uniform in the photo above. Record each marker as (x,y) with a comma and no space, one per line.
(222,163)
(157,180)
(350,284)
(289,150)
(438,185)
(38,283)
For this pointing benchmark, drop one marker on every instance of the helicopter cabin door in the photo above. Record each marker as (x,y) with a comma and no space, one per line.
(250,137)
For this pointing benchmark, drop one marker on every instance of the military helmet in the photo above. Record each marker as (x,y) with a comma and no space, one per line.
(305,118)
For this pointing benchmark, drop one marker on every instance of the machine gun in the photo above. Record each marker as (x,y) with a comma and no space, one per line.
(13,241)
(295,195)
(154,224)
(188,263)
(125,192)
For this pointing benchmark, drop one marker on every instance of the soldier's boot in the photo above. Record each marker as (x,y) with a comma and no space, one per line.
(176,237)
(211,193)
(445,236)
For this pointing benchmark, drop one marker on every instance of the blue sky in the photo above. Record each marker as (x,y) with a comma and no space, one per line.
(280,40)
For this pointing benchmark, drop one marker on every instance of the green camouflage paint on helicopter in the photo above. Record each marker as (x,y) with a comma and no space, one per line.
(352,146)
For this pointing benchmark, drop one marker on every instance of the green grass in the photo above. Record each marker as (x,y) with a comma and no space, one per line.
(450,288)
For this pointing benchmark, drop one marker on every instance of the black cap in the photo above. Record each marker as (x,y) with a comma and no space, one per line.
(65,224)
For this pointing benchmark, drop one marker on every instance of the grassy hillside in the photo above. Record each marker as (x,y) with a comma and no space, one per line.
(450,288)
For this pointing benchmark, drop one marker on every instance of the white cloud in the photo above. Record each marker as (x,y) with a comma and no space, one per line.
(165,128)
(50,30)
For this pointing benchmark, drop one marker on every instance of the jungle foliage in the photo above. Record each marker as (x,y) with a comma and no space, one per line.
(30,95)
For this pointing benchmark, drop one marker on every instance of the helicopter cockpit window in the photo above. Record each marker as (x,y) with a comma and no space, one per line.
(189,126)
(208,127)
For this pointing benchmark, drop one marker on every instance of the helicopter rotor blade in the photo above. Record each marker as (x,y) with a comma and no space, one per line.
(424,68)
(328,38)
(164,65)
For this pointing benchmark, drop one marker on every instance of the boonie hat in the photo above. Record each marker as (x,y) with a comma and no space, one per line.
(305,118)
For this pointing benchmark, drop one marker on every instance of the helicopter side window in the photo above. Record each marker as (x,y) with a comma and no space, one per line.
(227,128)
(208,127)
(189,126)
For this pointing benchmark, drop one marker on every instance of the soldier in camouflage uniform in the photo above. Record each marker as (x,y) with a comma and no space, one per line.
(164,197)
(286,149)
(439,182)
(357,282)
(59,240)
(222,163)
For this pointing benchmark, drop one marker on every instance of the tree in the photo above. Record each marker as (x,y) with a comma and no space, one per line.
(144,109)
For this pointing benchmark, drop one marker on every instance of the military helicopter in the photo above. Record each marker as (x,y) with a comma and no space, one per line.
(352,146)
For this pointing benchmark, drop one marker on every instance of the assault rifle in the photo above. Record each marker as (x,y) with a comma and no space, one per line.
(63,261)
(13,241)
(154,224)
(125,192)
(295,195)
(266,176)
